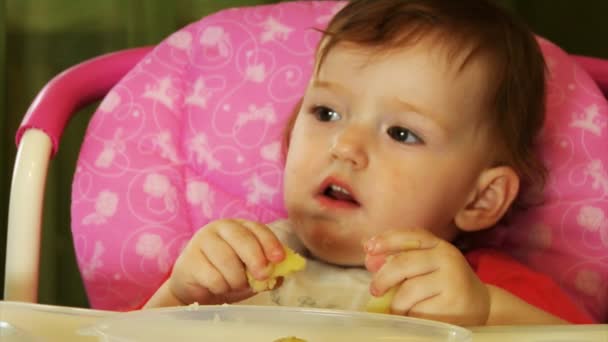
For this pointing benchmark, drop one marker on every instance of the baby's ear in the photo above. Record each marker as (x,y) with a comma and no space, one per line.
(494,193)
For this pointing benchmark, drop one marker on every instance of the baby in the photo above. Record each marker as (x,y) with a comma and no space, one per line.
(418,125)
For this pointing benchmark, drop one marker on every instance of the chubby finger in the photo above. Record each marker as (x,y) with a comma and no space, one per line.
(237,296)
(246,245)
(374,262)
(207,276)
(183,283)
(433,308)
(414,291)
(273,248)
(401,267)
(225,260)
(400,240)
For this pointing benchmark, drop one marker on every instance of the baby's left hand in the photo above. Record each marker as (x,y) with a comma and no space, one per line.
(434,279)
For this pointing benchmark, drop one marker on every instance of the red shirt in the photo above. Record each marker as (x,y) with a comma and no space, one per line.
(500,270)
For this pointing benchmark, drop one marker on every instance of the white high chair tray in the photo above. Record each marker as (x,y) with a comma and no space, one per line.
(28,322)
(265,324)
(23,322)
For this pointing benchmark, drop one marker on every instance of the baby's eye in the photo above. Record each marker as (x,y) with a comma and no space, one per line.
(403,135)
(323,113)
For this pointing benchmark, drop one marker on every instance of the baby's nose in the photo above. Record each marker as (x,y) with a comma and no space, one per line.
(349,145)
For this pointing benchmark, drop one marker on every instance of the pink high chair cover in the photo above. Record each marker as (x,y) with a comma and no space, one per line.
(193,134)
(567,236)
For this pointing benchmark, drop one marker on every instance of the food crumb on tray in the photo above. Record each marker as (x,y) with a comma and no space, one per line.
(289,339)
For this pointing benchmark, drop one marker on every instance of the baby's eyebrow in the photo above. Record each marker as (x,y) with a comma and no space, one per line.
(410,107)
(423,115)
(332,86)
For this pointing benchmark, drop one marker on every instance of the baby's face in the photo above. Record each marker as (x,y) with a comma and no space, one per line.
(381,143)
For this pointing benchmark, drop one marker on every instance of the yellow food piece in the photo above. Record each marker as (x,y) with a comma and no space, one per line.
(290,339)
(293,262)
(382,304)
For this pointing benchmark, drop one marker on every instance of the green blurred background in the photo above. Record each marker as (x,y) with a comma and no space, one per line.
(40,38)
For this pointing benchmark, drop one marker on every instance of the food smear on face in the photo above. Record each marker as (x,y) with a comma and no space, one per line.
(293,262)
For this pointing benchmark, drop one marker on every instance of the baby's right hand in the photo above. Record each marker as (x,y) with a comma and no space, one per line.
(211,268)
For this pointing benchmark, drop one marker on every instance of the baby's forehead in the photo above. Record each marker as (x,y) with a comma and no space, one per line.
(419,75)
(451,61)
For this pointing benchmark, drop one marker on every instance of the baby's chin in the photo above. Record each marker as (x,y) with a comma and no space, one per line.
(329,241)
(336,257)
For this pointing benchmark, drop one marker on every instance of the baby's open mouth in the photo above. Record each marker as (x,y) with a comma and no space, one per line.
(338,193)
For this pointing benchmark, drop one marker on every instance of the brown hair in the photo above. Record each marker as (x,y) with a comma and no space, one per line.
(466,28)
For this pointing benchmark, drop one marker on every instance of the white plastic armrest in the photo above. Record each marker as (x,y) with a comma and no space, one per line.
(25,217)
